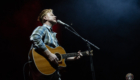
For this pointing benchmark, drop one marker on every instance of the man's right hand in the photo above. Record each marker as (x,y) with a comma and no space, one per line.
(52,57)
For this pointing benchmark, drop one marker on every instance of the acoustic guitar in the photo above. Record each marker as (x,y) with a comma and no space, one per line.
(45,67)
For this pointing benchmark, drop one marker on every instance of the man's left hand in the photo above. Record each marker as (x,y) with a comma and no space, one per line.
(79,55)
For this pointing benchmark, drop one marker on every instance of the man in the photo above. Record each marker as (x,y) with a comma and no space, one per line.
(43,35)
(129,76)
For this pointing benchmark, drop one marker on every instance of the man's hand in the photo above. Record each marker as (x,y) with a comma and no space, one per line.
(52,57)
(79,55)
(76,57)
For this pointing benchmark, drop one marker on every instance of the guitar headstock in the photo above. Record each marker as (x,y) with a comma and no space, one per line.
(89,53)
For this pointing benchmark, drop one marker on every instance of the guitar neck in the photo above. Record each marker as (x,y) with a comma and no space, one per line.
(73,54)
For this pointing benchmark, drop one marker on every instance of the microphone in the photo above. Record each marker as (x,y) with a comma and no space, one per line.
(60,22)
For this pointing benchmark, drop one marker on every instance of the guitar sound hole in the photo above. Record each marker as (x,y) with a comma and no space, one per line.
(58,56)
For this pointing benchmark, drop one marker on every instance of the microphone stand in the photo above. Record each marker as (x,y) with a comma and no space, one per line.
(89,49)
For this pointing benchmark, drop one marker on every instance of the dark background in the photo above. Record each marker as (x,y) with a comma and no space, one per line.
(112,25)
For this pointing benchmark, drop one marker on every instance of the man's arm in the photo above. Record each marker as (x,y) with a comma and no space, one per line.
(76,57)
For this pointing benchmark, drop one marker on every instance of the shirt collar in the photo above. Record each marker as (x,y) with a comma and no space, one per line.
(49,27)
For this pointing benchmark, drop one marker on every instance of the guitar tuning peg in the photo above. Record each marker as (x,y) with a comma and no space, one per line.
(91,51)
(91,54)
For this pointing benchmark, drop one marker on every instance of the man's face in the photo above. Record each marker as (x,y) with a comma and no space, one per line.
(51,18)
(129,78)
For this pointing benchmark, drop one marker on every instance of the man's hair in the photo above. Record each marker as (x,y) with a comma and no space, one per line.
(42,14)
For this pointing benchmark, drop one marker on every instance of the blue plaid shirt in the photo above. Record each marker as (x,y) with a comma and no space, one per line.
(43,35)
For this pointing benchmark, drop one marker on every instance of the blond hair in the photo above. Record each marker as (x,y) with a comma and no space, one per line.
(42,14)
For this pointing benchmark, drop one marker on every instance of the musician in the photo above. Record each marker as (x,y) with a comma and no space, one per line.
(129,76)
(43,35)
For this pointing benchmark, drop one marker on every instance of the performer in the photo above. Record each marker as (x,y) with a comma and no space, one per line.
(43,35)
(129,76)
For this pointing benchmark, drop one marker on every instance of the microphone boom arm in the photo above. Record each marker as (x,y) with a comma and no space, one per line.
(74,32)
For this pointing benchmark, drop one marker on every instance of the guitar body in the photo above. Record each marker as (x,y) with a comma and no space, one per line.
(43,65)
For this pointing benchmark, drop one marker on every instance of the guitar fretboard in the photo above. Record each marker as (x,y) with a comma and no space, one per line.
(73,54)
